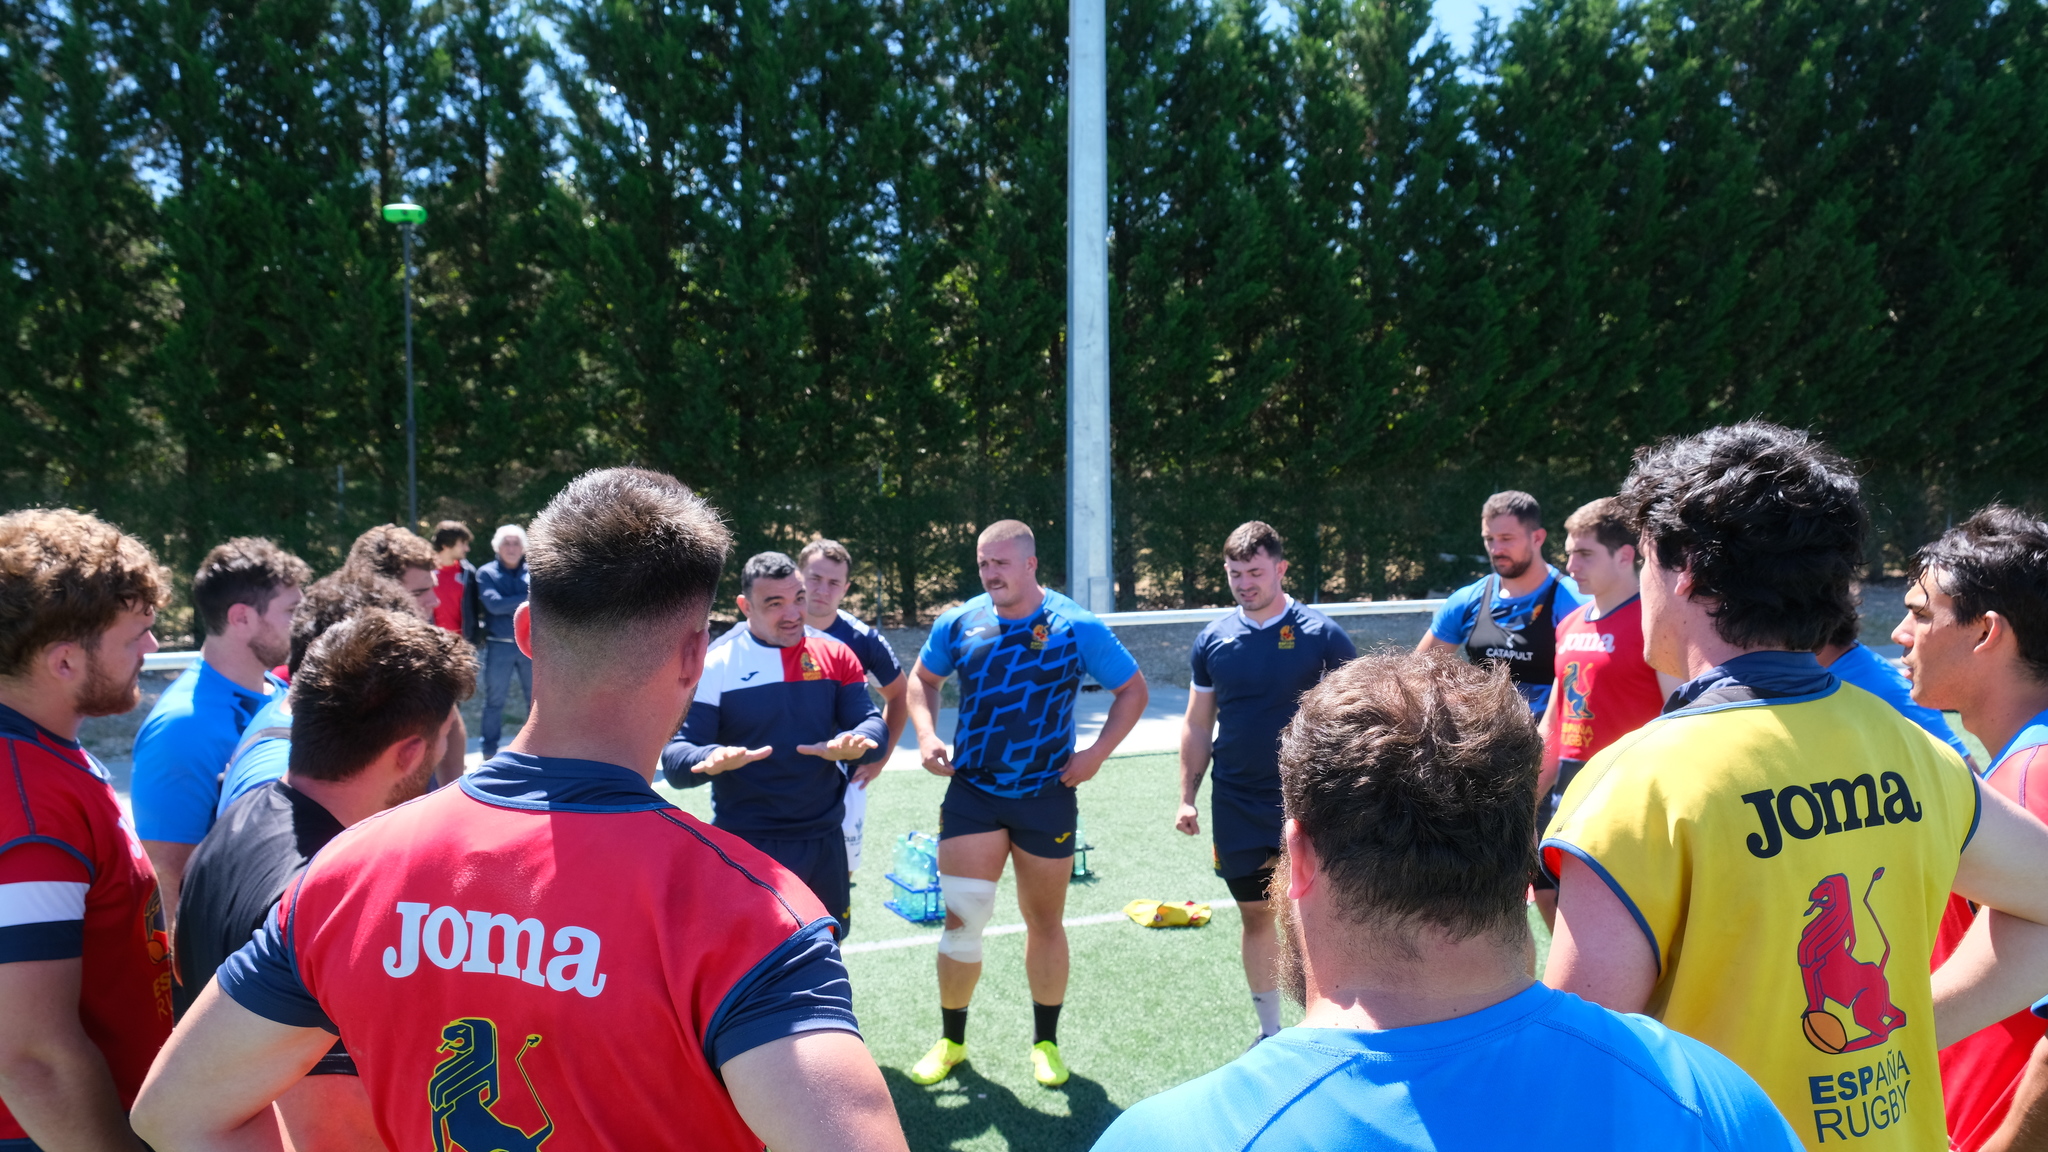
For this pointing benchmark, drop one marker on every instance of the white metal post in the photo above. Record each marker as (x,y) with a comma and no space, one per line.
(1089,564)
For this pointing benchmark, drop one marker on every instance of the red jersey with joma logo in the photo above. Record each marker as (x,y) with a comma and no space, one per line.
(549,949)
(74,882)
(1604,689)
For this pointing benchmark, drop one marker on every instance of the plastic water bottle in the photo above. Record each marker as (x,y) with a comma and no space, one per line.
(916,861)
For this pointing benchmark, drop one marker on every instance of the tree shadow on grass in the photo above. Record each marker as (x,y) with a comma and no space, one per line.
(967,1105)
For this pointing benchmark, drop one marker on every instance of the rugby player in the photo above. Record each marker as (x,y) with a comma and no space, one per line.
(1603,689)
(1764,867)
(243,595)
(1247,671)
(1976,640)
(400,554)
(1853,662)
(1510,616)
(371,703)
(78,599)
(827,569)
(1409,835)
(264,751)
(550,951)
(780,709)
(1020,650)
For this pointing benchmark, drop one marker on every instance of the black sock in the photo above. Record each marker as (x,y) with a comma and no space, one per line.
(1045,1022)
(954,1021)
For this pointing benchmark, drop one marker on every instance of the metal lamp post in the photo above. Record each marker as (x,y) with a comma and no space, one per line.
(405,216)
(1090,579)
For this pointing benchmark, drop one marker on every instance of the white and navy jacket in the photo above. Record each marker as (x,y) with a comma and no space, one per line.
(754,695)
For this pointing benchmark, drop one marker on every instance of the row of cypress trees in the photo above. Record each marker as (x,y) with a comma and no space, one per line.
(809,254)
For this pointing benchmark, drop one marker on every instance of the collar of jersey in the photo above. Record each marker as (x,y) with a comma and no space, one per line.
(1767,677)
(1509,1013)
(1286,605)
(209,672)
(14,724)
(556,784)
(2034,732)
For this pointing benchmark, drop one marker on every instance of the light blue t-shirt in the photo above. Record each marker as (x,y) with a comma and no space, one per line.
(1882,679)
(1453,624)
(1018,680)
(261,755)
(1542,1071)
(182,749)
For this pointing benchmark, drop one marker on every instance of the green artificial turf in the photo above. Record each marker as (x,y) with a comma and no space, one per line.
(1146,1008)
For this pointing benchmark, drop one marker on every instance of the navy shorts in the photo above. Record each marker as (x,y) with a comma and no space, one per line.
(1041,825)
(820,862)
(1244,828)
(1546,809)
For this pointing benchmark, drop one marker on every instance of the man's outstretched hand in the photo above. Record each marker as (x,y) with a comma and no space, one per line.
(845,746)
(729,757)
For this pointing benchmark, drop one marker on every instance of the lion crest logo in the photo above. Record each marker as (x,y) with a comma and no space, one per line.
(463,1092)
(1831,971)
(1039,635)
(1287,636)
(809,663)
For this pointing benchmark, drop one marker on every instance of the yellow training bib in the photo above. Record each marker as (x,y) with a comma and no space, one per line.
(1789,862)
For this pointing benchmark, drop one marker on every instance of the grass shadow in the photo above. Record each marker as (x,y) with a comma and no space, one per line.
(967,1107)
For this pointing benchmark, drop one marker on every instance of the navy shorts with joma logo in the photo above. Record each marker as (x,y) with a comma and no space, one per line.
(1041,825)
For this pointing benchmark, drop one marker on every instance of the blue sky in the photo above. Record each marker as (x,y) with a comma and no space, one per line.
(1457,18)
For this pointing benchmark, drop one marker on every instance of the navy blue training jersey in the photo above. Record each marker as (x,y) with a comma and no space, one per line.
(1258,674)
(869,646)
(1018,680)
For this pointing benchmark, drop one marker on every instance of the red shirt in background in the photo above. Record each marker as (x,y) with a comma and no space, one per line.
(1980,1073)
(1604,689)
(448,585)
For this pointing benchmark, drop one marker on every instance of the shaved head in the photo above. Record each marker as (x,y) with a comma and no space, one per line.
(1003,530)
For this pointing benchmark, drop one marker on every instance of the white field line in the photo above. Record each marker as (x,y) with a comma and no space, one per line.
(995,930)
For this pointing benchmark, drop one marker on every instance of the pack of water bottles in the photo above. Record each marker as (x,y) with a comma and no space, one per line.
(914,874)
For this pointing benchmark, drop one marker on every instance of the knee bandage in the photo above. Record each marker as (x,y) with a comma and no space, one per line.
(973,902)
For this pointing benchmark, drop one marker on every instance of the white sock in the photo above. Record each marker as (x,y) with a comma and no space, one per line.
(1267,1004)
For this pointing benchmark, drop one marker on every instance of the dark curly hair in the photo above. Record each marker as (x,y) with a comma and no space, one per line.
(1996,561)
(66,576)
(245,570)
(1413,776)
(332,599)
(1769,521)
(374,679)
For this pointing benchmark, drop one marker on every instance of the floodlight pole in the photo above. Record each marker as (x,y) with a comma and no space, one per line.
(1090,579)
(405,216)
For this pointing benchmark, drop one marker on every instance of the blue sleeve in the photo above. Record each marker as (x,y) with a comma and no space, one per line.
(1198,662)
(880,659)
(937,654)
(264,978)
(1338,648)
(854,711)
(1103,654)
(1453,622)
(1734,1108)
(263,762)
(697,739)
(799,987)
(176,780)
(496,602)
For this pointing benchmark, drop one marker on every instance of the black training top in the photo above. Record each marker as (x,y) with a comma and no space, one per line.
(234,879)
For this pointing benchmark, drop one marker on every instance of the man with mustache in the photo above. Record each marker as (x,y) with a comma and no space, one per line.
(1510,616)
(1409,838)
(78,600)
(243,595)
(372,704)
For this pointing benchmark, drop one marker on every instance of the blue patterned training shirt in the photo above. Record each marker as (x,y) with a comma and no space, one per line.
(1018,680)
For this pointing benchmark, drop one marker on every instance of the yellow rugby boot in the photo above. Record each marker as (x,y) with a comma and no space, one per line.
(939,1061)
(1046,1066)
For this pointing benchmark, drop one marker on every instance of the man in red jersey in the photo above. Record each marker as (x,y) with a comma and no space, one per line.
(1976,639)
(1604,690)
(85,974)
(551,949)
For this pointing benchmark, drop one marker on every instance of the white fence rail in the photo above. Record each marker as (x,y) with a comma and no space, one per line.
(179,661)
